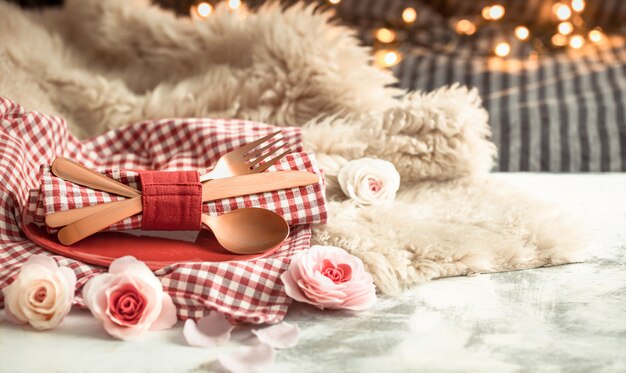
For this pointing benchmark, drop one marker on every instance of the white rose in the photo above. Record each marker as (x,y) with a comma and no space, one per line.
(369,181)
(41,295)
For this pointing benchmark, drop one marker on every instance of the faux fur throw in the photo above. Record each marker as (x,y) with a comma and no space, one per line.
(105,64)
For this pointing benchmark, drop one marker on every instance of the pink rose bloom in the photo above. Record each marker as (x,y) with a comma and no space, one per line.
(41,295)
(329,277)
(129,299)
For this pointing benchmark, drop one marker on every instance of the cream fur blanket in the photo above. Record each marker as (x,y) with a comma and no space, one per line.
(105,64)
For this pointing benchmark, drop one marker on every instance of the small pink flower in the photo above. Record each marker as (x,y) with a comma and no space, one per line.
(41,295)
(329,277)
(129,299)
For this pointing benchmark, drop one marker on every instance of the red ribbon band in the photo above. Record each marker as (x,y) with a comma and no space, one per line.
(172,200)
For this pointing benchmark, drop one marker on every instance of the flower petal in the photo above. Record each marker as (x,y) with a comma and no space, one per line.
(129,264)
(248,359)
(167,318)
(42,260)
(11,317)
(131,267)
(123,332)
(94,294)
(210,331)
(70,278)
(281,335)
(291,287)
(361,301)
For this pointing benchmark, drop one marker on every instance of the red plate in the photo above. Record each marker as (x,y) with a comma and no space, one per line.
(157,252)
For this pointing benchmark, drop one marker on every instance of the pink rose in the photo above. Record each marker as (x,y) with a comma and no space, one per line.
(129,299)
(329,277)
(41,295)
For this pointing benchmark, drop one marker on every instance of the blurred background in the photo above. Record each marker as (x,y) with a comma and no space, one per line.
(551,73)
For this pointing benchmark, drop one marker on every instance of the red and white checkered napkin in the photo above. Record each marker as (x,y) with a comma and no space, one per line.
(246,291)
(302,205)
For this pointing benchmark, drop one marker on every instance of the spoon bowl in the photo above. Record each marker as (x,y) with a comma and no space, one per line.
(249,230)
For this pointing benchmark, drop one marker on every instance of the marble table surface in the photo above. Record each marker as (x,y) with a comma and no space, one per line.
(569,318)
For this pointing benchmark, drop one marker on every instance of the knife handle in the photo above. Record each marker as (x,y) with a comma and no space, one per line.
(61,218)
(94,223)
(249,184)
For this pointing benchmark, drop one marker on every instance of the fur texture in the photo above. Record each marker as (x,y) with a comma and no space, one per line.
(105,64)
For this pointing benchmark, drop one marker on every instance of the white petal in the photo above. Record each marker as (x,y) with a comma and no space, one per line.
(10,316)
(70,278)
(210,331)
(249,359)
(42,260)
(167,318)
(281,335)
(94,293)
(128,264)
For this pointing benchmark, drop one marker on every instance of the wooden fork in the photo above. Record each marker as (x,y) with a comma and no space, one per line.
(242,161)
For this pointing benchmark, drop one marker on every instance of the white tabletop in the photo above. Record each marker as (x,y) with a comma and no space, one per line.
(566,318)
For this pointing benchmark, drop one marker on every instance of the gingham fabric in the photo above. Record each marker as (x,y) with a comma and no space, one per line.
(244,291)
(303,205)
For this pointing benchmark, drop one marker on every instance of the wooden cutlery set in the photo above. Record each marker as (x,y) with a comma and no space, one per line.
(172,201)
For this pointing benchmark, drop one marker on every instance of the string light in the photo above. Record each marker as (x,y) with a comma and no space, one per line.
(558,40)
(562,11)
(465,27)
(202,10)
(565,28)
(385,35)
(409,15)
(234,4)
(578,5)
(576,41)
(522,32)
(496,12)
(502,49)
(571,30)
(391,58)
(486,12)
(387,58)
(595,35)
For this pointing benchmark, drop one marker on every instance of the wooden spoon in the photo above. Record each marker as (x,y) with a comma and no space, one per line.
(248,230)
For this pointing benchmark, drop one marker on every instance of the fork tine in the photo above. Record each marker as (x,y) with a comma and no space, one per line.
(262,157)
(260,151)
(248,147)
(271,162)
